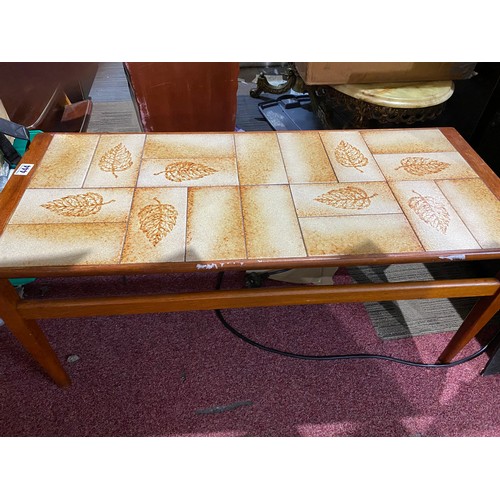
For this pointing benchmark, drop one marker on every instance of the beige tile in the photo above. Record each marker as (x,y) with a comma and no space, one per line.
(478,207)
(259,159)
(66,161)
(61,244)
(359,234)
(116,161)
(189,145)
(428,166)
(406,141)
(157,226)
(305,158)
(350,157)
(214,224)
(177,172)
(271,225)
(63,206)
(432,217)
(316,200)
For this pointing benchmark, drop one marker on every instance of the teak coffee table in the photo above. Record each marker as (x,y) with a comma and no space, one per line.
(108,204)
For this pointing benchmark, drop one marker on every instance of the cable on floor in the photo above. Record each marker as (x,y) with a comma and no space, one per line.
(335,357)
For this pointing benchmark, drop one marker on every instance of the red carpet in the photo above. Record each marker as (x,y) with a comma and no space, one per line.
(184,374)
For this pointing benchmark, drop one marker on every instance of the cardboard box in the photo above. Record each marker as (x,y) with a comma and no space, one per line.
(337,73)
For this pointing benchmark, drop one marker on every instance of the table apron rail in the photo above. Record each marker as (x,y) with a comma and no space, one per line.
(255,297)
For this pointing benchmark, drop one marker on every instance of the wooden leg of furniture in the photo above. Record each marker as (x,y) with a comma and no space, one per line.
(29,334)
(479,316)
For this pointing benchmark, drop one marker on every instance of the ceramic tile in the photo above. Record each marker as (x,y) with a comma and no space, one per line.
(63,206)
(406,141)
(61,244)
(177,172)
(432,217)
(116,161)
(188,145)
(66,161)
(305,158)
(271,225)
(484,221)
(316,200)
(259,159)
(358,234)
(214,224)
(428,166)
(350,157)
(157,226)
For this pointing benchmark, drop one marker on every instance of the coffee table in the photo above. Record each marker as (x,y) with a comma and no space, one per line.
(118,204)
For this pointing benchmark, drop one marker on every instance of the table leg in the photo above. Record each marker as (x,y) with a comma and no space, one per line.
(29,334)
(478,317)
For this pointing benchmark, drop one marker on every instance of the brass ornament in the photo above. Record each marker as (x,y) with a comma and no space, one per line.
(186,171)
(117,159)
(157,220)
(80,205)
(349,198)
(350,156)
(422,166)
(431,211)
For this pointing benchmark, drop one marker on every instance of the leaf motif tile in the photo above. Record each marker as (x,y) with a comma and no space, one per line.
(116,161)
(73,206)
(436,223)
(61,244)
(189,145)
(259,159)
(405,141)
(484,220)
(66,161)
(316,200)
(424,166)
(157,226)
(214,224)
(305,158)
(358,234)
(350,157)
(270,220)
(197,171)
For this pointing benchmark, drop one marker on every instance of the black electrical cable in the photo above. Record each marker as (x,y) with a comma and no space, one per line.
(342,356)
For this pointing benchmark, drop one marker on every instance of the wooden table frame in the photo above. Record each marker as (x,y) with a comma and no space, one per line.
(20,315)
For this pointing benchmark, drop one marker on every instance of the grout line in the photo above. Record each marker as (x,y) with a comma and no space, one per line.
(327,156)
(291,195)
(134,188)
(406,217)
(240,194)
(91,160)
(457,214)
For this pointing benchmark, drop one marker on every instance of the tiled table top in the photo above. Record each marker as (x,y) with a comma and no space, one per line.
(247,198)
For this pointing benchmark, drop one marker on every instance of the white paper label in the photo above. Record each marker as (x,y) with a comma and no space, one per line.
(24,169)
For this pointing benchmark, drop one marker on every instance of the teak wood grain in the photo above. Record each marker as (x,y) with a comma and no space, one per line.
(265,297)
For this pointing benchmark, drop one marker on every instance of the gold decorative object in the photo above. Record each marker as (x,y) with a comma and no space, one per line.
(185,171)
(431,211)
(350,156)
(156,221)
(116,159)
(80,205)
(422,166)
(347,198)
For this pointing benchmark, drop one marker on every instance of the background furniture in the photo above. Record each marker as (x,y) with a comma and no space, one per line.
(184,97)
(48,96)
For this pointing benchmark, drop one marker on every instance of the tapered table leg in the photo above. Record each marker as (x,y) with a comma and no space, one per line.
(480,314)
(29,334)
